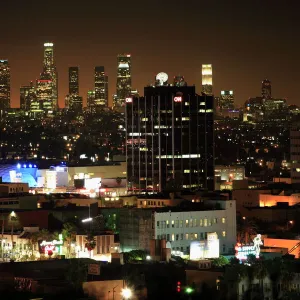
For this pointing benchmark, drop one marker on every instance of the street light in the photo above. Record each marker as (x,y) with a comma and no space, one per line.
(126,293)
(87,220)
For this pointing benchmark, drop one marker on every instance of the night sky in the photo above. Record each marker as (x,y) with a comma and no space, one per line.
(246,41)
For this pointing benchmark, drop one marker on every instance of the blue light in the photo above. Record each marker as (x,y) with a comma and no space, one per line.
(24,166)
(34,166)
(18,166)
(30,166)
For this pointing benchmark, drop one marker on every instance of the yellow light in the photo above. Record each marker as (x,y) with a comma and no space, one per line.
(126,293)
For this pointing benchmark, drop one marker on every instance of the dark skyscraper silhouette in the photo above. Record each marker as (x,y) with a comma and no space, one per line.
(74,80)
(4,84)
(170,141)
(266,89)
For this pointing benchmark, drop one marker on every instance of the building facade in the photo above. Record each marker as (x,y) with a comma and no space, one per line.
(226,100)
(207,83)
(73,80)
(123,80)
(101,87)
(4,85)
(27,96)
(170,141)
(295,152)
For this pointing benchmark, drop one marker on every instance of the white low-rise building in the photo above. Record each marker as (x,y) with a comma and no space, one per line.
(180,228)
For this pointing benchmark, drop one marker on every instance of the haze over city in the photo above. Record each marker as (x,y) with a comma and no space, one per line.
(245,43)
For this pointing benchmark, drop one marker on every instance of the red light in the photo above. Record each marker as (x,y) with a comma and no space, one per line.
(178,290)
(128,100)
(177,99)
(178,283)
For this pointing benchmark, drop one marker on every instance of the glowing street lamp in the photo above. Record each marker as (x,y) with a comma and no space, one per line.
(126,293)
(86,220)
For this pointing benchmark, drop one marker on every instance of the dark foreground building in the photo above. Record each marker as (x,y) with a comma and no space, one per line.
(170,143)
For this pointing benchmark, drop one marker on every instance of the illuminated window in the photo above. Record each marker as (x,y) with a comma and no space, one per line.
(186,103)
(186,236)
(223,233)
(167,223)
(209,222)
(201,222)
(223,220)
(215,220)
(205,222)
(186,223)
(181,223)
(195,236)
(173,237)
(191,222)
(195,223)
(185,119)
(173,223)
(186,171)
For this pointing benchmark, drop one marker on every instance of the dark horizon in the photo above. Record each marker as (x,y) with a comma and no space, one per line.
(245,43)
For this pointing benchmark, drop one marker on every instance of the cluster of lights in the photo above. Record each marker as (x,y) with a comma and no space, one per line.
(19,166)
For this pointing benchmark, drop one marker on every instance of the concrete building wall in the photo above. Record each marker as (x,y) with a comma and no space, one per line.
(272,200)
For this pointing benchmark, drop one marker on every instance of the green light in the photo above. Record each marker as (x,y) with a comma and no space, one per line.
(189,290)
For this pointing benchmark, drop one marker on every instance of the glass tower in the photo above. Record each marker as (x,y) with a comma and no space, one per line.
(4,85)
(123,79)
(101,87)
(74,80)
(207,84)
(27,96)
(170,139)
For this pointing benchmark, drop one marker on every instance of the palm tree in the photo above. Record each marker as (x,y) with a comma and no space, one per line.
(245,228)
(260,272)
(69,235)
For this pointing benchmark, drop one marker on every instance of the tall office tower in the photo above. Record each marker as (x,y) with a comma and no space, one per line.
(123,79)
(294,152)
(226,100)
(73,102)
(266,89)
(169,139)
(27,96)
(91,101)
(4,85)
(101,87)
(207,84)
(73,80)
(49,74)
(44,94)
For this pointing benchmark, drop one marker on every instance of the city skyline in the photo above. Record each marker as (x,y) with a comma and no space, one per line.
(229,45)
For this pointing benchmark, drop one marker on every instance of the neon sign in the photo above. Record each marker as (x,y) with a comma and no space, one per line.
(178,99)
(52,247)
(242,251)
(128,100)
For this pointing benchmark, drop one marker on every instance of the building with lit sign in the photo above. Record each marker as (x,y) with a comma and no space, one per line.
(181,227)
(207,83)
(52,247)
(170,140)
(242,251)
(101,88)
(226,101)
(4,84)
(123,80)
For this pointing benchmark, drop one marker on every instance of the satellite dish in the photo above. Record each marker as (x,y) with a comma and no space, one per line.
(162,77)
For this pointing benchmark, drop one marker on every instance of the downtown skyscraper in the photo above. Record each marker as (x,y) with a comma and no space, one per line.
(123,80)
(28,97)
(73,101)
(207,82)
(47,85)
(4,85)
(101,87)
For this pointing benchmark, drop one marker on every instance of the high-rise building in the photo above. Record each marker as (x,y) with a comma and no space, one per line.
(91,101)
(48,78)
(207,83)
(266,89)
(294,151)
(73,80)
(101,87)
(73,102)
(27,96)
(44,94)
(226,100)
(169,139)
(4,85)
(123,79)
